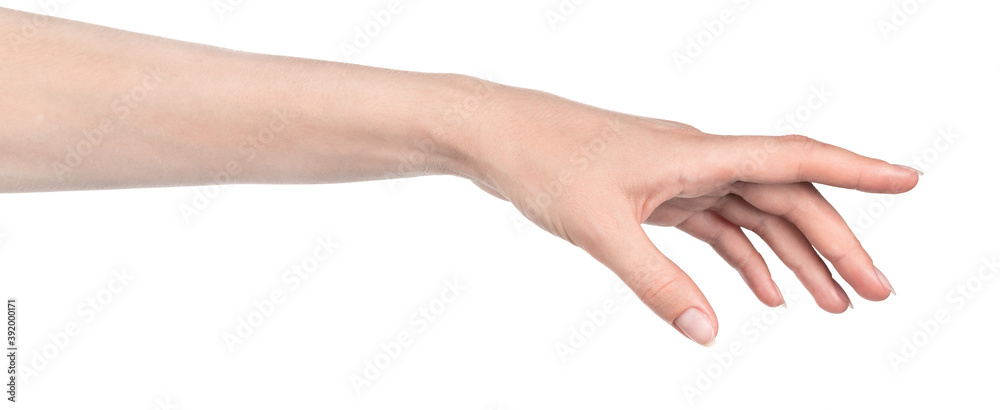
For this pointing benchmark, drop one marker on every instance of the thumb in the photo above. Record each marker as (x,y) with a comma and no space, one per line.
(658,282)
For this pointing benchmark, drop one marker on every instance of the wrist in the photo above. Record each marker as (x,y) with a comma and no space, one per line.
(452,131)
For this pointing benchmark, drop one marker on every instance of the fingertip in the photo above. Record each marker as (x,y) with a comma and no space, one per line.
(770,296)
(869,286)
(874,292)
(835,300)
(778,299)
(885,178)
(763,287)
(836,308)
(906,179)
(878,297)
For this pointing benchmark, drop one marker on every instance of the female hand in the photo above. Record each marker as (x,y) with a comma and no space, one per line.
(592,177)
(587,175)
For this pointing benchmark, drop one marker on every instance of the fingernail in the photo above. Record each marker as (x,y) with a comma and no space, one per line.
(885,282)
(919,172)
(847,298)
(776,289)
(696,326)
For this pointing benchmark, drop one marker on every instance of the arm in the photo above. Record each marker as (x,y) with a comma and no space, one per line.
(88,107)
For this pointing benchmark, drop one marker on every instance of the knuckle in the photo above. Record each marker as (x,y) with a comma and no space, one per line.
(804,199)
(838,255)
(796,139)
(657,293)
(791,210)
(717,238)
(744,262)
(802,142)
(800,266)
(762,224)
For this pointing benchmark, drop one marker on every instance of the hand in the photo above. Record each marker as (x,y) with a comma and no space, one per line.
(592,177)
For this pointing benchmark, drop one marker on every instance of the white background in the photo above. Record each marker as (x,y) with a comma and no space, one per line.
(159,342)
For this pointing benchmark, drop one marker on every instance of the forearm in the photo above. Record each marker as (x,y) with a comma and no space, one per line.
(85,107)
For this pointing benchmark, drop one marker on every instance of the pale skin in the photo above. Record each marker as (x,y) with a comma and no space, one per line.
(89,107)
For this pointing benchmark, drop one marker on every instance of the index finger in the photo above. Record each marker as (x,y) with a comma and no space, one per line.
(796,158)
